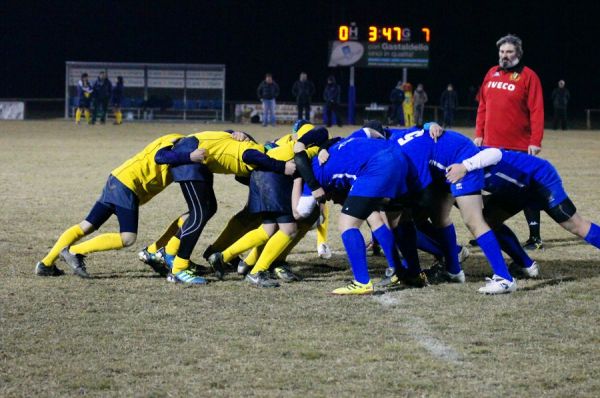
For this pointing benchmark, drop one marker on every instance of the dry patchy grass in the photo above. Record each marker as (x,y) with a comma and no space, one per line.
(129,333)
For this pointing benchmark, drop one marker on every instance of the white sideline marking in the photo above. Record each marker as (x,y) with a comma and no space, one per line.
(421,333)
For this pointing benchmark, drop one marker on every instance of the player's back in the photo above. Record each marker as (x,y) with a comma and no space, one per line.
(223,153)
(518,170)
(142,174)
(346,159)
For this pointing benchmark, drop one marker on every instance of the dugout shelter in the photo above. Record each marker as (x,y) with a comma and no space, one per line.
(157,91)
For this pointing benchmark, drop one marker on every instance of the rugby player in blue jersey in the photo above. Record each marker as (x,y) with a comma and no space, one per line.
(517,180)
(361,167)
(430,159)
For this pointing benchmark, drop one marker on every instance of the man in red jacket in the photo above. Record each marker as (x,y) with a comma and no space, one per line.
(511,113)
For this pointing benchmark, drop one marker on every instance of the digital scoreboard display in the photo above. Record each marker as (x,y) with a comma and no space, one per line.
(377,46)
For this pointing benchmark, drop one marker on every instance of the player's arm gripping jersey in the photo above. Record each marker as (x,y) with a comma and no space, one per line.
(142,174)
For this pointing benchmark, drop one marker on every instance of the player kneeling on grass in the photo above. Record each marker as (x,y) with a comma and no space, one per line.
(130,185)
(516,181)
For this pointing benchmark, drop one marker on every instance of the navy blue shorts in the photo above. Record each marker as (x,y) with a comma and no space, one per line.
(84,102)
(116,199)
(270,193)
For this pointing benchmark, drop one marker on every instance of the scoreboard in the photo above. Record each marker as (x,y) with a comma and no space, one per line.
(388,46)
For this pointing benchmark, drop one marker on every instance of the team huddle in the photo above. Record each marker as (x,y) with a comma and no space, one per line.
(403,182)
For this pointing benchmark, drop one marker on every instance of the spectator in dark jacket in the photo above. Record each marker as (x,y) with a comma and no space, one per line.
(331,95)
(560,100)
(449,102)
(303,90)
(397,98)
(267,92)
(102,93)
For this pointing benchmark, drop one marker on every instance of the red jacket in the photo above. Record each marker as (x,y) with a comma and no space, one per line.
(511,109)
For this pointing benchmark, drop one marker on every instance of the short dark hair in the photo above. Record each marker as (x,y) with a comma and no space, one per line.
(514,40)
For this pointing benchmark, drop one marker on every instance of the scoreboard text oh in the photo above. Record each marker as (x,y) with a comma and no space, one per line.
(390,34)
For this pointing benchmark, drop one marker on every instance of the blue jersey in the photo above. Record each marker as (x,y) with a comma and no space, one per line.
(364,167)
(429,159)
(519,175)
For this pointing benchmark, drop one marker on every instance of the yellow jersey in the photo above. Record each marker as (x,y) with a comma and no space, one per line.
(142,174)
(285,149)
(224,154)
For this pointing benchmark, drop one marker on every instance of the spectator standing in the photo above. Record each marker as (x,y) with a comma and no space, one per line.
(449,102)
(267,92)
(560,100)
(116,99)
(303,90)
(397,98)
(102,92)
(408,105)
(511,113)
(84,98)
(331,95)
(420,99)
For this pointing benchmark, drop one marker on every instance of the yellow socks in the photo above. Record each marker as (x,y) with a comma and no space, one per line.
(256,237)
(303,228)
(99,243)
(253,256)
(164,239)
(88,115)
(173,246)
(236,227)
(179,264)
(78,115)
(118,117)
(274,247)
(322,228)
(68,237)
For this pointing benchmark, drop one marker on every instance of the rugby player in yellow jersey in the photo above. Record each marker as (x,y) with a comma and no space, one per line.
(130,185)
(225,153)
(271,196)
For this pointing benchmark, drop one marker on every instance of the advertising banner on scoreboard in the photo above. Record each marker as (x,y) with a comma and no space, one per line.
(378,55)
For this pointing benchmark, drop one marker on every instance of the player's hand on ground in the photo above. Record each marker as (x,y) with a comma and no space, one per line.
(290,168)
(319,195)
(455,172)
(239,136)
(198,155)
(435,131)
(533,150)
(478,141)
(323,156)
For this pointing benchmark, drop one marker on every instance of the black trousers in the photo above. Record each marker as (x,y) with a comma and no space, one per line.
(303,109)
(202,205)
(332,109)
(560,116)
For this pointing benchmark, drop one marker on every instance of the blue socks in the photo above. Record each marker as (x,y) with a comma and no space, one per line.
(406,240)
(510,245)
(593,236)
(386,240)
(427,244)
(490,247)
(357,254)
(447,238)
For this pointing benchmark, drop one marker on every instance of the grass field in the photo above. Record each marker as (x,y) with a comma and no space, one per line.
(128,332)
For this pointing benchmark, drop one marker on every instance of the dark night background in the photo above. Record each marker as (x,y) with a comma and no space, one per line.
(286,37)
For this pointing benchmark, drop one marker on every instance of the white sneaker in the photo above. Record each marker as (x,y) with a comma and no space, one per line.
(463,254)
(531,272)
(456,278)
(324,251)
(498,285)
